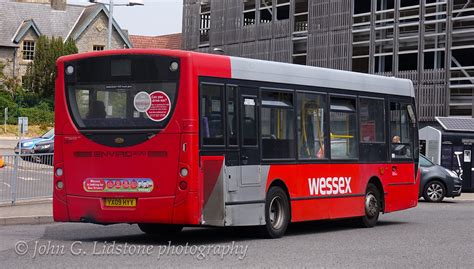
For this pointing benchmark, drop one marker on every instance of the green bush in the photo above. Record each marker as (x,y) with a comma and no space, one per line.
(6,101)
(38,111)
(41,114)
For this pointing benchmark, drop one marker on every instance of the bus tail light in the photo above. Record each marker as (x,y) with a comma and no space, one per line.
(183,185)
(59,182)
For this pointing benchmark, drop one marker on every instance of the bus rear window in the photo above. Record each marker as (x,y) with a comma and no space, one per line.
(130,106)
(122,91)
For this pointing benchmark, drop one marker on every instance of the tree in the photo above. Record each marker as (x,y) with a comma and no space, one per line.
(41,73)
(9,84)
(2,75)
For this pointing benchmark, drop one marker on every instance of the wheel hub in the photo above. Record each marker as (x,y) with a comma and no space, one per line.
(276,213)
(435,191)
(371,205)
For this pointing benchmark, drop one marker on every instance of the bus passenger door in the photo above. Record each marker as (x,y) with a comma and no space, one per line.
(250,150)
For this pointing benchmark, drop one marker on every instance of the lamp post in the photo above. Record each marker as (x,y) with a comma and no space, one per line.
(111,15)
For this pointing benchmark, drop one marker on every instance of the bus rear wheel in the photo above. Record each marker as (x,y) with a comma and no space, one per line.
(372,206)
(160,229)
(277,213)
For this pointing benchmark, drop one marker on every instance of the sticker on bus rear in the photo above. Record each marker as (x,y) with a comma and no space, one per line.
(118,185)
(142,101)
(160,106)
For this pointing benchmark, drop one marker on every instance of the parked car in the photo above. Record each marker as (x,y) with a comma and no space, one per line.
(42,152)
(437,182)
(28,145)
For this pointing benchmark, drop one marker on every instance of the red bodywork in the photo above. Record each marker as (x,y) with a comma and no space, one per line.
(168,203)
(400,190)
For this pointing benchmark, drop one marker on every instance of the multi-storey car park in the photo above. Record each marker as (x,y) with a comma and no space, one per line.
(427,41)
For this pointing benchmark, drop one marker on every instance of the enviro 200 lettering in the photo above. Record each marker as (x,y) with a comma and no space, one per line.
(329,185)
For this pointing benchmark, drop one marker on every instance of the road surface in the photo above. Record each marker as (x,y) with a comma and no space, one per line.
(429,236)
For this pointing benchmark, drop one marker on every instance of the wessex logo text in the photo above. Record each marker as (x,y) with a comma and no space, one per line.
(329,185)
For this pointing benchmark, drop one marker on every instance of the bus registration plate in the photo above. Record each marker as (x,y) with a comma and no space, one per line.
(120,202)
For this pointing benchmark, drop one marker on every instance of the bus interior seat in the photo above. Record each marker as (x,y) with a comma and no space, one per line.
(205,127)
(215,125)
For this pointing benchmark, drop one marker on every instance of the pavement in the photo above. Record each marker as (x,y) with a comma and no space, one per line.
(41,211)
(432,235)
(27,212)
(8,142)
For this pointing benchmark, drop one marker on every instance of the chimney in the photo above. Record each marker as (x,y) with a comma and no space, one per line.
(58,4)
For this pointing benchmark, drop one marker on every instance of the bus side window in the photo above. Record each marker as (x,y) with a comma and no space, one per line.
(372,119)
(401,131)
(311,128)
(232,114)
(277,125)
(344,142)
(373,145)
(212,115)
(249,131)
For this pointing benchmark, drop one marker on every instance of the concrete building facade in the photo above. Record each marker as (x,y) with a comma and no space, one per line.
(430,42)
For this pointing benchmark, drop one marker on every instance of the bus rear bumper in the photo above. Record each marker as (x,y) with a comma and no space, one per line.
(93,210)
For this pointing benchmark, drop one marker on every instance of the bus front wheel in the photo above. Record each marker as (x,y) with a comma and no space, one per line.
(372,206)
(160,229)
(277,213)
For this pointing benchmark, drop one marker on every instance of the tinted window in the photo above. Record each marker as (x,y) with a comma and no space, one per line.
(277,125)
(249,121)
(372,119)
(212,119)
(99,106)
(121,91)
(343,129)
(311,128)
(232,115)
(342,104)
(48,134)
(425,162)
(401,130)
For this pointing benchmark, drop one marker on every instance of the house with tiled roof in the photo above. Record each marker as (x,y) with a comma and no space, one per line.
(23,21)
(172,41)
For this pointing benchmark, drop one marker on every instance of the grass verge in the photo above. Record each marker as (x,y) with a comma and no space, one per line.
(33,130)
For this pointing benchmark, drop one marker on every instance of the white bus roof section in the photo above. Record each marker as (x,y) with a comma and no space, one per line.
(258,70)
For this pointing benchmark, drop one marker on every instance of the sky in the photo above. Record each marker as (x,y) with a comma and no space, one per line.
(156,17)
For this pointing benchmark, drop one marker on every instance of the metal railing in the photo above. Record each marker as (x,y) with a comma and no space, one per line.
(29,176)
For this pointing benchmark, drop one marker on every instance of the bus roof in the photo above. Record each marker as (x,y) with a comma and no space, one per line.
(251,69)
(268,71)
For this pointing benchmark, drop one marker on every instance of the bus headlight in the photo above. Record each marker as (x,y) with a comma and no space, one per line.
(59,172)
(59,185)
(184,172)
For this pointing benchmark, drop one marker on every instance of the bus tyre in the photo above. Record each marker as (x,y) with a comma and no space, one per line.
(160,229)
(372,206)
(277,213)
(434,191)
